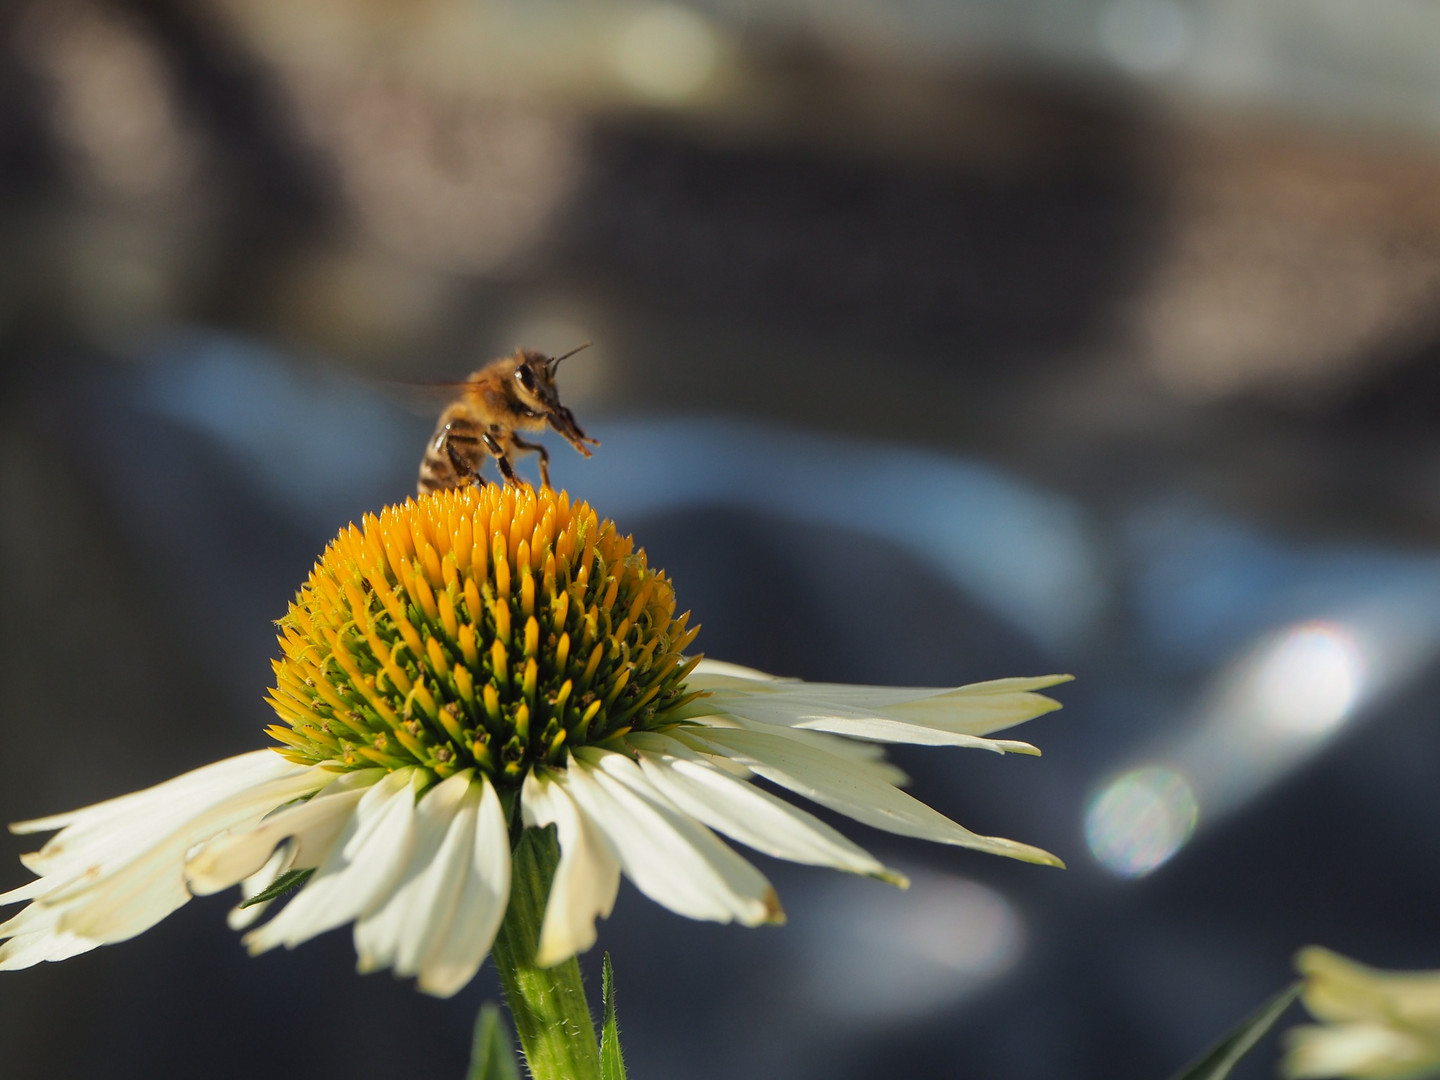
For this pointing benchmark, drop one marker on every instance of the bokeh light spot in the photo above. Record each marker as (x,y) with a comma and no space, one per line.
(666,52)
(1140,819)
(1144,37)
(1310,679)
(880,956)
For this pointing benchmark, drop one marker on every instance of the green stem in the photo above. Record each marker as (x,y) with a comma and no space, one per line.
(547,1004)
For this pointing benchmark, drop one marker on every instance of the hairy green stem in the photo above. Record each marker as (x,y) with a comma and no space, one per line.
(547,1005)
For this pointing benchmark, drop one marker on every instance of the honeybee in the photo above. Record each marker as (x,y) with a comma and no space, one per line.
(514,393)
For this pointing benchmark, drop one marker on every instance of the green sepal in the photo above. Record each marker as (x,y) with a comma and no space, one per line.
(1225,1054)
(286,882)
(612,1061)
(492,1056)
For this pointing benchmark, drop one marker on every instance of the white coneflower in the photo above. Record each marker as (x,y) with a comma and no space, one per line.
(458,673)
(1378,1025)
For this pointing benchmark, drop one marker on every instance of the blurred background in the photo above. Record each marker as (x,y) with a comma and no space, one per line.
(933,342)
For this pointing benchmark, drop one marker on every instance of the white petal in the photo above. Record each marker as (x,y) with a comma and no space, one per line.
(456,954)
(747,813)
(313,825)
(842,787)
(927,716)
(710,673)
(228,774)
(670,857)
(866,757)
(361,870)
(1338,988)
(1360,1049)
(27,950)
(244,914)
(107,834)
(824,716)
(29,891)
(587,878)
(117,867)
(139,894)
(717,674)
(430,884)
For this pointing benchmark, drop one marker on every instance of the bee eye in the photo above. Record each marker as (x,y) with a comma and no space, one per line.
(526,377)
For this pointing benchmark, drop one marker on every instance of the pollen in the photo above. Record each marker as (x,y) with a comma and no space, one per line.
(487,627)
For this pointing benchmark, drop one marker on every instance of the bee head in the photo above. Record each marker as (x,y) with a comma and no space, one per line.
(534,388)
(534,377)
(533,383)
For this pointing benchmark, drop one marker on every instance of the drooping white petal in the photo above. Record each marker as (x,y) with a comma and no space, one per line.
(245,914)
(313,827)
(116,867)
(670,857)
(867,758)
(814,714)
(720,673)
(1378,1023)
(430,883)
(587,878)
(958,716)
(228,774)
(1338,988)
(747,813)
(1367,1048)
(811,714)
(839,785)
(142,892)
(110,836)
(30,926)
(99,837)
(710,673)
(456,953)
(361,870)
(27,950)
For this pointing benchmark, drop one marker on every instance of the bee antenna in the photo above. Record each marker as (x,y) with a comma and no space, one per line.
(555,361)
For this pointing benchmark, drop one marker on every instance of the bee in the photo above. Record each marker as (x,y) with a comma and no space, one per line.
(514,393)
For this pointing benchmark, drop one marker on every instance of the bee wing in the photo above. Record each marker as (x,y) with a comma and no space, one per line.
(423,398)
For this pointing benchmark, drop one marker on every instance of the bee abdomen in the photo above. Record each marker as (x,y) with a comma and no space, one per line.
(436,476)
(453,456)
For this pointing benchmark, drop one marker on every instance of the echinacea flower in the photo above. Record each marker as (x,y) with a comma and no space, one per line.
(1378,1025)
(470,665)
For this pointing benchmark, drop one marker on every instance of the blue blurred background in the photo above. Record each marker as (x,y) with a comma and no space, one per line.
(934,342)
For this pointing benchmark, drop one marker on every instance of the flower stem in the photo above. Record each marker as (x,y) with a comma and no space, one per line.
(547,1004)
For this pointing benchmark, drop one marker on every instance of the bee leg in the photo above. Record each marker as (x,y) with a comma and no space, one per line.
(540,451)
(466,465)
(502,460)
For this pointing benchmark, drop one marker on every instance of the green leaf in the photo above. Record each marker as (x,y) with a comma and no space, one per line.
(291,879)
(492,1057)
(1225,1054)
(612,1061)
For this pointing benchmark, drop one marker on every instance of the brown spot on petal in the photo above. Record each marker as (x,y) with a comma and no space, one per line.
(774,913)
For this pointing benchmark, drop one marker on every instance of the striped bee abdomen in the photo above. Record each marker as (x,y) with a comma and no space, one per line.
(454,454)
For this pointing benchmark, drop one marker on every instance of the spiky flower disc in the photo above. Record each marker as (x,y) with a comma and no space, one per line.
(489,627)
